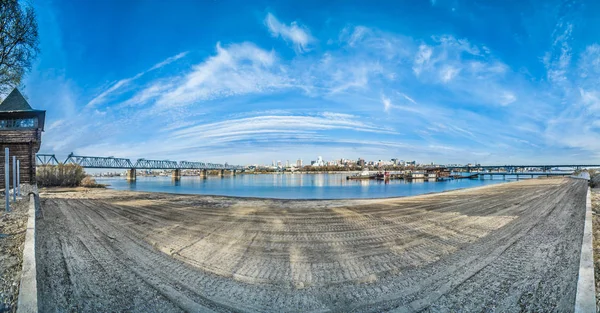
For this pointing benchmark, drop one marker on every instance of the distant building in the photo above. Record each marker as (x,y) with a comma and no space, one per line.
(319,162)
(361,162)
(299,163)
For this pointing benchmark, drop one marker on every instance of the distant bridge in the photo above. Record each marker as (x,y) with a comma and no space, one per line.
(516,168)
(122,163)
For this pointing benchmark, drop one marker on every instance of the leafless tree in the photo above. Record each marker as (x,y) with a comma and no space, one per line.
(18,42)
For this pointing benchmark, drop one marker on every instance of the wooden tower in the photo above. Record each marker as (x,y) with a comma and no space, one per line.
(21,131)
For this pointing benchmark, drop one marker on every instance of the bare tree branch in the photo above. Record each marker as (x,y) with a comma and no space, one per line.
(18,42)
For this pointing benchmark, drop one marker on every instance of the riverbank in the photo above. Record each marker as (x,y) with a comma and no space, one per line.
(12,237)
(511,247)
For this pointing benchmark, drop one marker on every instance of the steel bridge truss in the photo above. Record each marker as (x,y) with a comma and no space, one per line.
(98,162)
(121,163)
(156,164)
(516,168)
(46,159)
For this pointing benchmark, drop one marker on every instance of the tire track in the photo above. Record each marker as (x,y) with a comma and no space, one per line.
(509,246)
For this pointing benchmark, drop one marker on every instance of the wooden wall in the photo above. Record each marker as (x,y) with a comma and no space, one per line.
(23,144)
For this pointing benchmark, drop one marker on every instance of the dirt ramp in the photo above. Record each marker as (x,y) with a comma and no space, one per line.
(510,247)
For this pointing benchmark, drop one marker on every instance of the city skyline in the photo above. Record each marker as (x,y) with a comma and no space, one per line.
(426,80)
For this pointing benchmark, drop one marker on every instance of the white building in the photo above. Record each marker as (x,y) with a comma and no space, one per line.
(319,162)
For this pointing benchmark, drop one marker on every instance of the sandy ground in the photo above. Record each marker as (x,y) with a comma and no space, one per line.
(505,248)
(12,236)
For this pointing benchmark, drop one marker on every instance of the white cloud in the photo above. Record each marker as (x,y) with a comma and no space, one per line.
(261,125)
(168,61)
(589,62)
(408,98)
(124,82)
(591,100)
(558,59)
(102,96)
(422,58)
(154,90)
(235,70)
(353,77)
(296,33)
(387,103)
(357,35)
(448,73)
(507,98)
(459,45)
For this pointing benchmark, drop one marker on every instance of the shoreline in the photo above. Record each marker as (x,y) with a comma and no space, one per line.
(433,193)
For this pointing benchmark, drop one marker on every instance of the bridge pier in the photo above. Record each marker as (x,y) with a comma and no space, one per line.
(233,173)
(131,175)
(204,173)
(176,174)
(222,173)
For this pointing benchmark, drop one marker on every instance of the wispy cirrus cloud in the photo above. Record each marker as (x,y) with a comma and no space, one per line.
(295,33)
(126,81)
(234,70)
(279,124)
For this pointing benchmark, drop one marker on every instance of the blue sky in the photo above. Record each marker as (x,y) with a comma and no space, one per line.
(494,82)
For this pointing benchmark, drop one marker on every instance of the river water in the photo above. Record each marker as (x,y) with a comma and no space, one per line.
(293,186)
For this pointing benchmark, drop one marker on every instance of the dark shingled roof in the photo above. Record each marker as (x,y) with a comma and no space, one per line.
(15,102)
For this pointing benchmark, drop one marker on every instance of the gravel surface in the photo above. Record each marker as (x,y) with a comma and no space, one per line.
(596,242)
(505,248)
(12,236)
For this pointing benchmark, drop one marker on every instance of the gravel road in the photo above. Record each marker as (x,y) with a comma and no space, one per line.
(510,247)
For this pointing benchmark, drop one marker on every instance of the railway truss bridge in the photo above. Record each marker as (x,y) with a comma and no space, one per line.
(140,164)
(511,169)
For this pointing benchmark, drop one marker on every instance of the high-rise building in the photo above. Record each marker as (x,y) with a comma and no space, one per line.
(287,163)
(299,163)
(361,162)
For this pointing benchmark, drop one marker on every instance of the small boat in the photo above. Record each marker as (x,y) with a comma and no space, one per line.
(382,176)
(363,175)
(473,176)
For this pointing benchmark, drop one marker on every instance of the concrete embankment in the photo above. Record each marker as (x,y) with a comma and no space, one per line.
(15,234)
(512,247)
(28,288)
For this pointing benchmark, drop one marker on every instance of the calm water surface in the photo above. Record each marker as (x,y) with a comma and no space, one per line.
(293,186)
